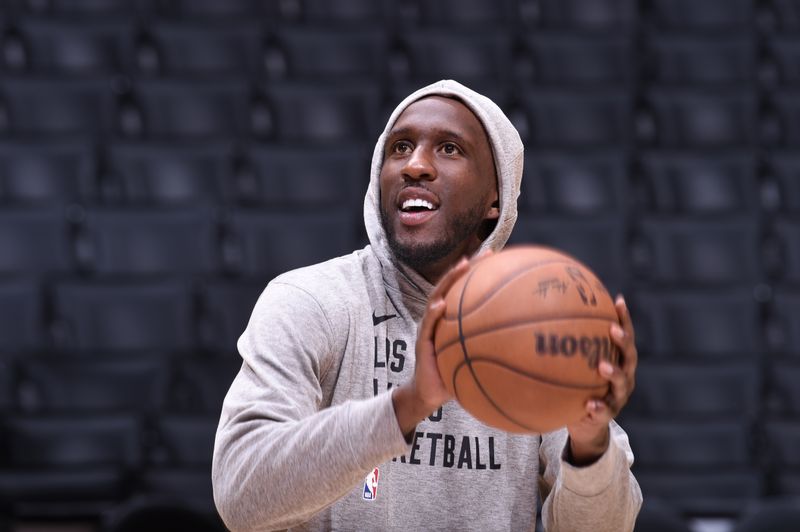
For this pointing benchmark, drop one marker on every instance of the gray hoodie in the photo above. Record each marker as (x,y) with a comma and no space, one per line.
(308,438)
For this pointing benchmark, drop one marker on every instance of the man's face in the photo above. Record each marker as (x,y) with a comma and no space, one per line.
(438,185)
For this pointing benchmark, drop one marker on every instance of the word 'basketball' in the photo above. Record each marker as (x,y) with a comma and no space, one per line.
(522,337)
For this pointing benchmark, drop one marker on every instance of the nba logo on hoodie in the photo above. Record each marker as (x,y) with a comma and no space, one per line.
(371,485)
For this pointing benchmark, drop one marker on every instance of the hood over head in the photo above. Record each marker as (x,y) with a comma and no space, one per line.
(507,150)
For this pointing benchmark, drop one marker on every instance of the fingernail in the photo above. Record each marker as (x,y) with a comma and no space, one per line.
(606,369)
(617,331)
(620,299)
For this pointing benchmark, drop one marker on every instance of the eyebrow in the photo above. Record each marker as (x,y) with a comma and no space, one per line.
(407,131)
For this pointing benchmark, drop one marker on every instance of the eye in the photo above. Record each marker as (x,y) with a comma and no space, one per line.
(402,147)
(450,149)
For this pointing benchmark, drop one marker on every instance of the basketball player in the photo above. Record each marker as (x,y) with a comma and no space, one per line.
(338,419)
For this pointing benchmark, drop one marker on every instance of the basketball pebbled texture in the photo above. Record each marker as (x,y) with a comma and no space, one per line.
(522,337)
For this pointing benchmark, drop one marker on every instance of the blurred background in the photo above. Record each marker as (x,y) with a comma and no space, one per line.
(161,160)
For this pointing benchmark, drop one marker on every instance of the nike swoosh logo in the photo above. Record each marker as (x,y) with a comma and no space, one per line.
(380,319)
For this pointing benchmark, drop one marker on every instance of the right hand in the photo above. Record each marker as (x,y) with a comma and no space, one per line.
(425,393)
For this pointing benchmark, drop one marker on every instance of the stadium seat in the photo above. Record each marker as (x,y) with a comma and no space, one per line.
(683,251)
(85,48)
(565,58)
(124,316)
(47,172)
(304,112)
(770,515)
(788,483)
(698,183)
(577,118)
(167,512)
(702,118)
(787,268)
(696,390)
(680,323)
(786,103)
(59,465)
(721,15)
(145,241)
(34,240)
(201,383)
(464,55)
(783,391)
(783,440)
(93,9)
(605,15)
(22,315)
(458,14)
(345,13)
(784,335)
(285,176)
(159,173)
(57,107)
(205,50)
(175,110)
(687,58)
(656,515)
(597,240)
(327,53)
(92,384)
(785,170)
(785,49)
(562,182)
(262,244)
(225,308)
(787,14)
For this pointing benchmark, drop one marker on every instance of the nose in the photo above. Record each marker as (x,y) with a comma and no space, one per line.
(419,165)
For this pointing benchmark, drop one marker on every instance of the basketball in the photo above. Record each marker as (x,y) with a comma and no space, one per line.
(521,339)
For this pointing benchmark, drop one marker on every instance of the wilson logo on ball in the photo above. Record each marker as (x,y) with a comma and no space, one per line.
(593,349)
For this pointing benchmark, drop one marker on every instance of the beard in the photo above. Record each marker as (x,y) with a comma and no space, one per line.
(419,255)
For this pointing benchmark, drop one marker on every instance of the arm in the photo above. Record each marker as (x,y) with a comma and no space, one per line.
(280,456)
(585,468)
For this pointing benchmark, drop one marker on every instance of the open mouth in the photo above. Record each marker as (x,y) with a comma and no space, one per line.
(417,205)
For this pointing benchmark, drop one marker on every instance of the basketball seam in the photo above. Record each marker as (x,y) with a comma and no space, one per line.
(511,277)
(511,325)
(536,377)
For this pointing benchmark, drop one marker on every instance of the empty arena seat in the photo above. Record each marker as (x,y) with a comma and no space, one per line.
(47,172)
(698,183)
(684,251)
(785,49)
(680,323)
(350,13)
(226,306)
(149,241)
(263,244)
(787,232)
(458,13)
(787,105)
(565,182)
(787,483)
(607,15)
(306,112)
(785,170)
(201,383)
(598,241)
(180,109)
(212,10)
(703,118)
(730,15)
(784,334)
(205,50)
(92,384)
(770,514)
(34,240)
(326,53)
(680,58)
(22,314)
(132,315)
(696,390)
(93,9)
(457,54)
(783,440)
(282,176)
(575,58)
(572,118)
(68,464)
(782,389)
(185,440)
(158,173)
(70,48)
(57,107)
(656,515)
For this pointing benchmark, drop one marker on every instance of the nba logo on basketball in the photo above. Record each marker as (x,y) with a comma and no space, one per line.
(371,486)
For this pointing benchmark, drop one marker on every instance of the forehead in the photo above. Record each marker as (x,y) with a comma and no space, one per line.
(437,113)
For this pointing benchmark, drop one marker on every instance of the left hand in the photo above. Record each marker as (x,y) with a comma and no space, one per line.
(588,438)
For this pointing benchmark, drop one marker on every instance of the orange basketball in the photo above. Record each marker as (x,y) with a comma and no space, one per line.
(522,337)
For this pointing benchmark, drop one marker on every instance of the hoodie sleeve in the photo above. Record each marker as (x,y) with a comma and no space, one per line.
(602,497)
(279,455)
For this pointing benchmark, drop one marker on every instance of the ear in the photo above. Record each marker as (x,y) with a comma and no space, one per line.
(494,210)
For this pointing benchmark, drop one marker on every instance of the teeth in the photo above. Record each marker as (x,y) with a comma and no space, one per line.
(407,204)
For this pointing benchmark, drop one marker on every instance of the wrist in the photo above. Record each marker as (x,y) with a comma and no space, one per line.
(585,452)
(409,408)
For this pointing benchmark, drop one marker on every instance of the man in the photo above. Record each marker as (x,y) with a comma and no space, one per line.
(338,419)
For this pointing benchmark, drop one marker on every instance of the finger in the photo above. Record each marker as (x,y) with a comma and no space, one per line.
(432,314)
(624,315)
(620,386)
(598,410)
